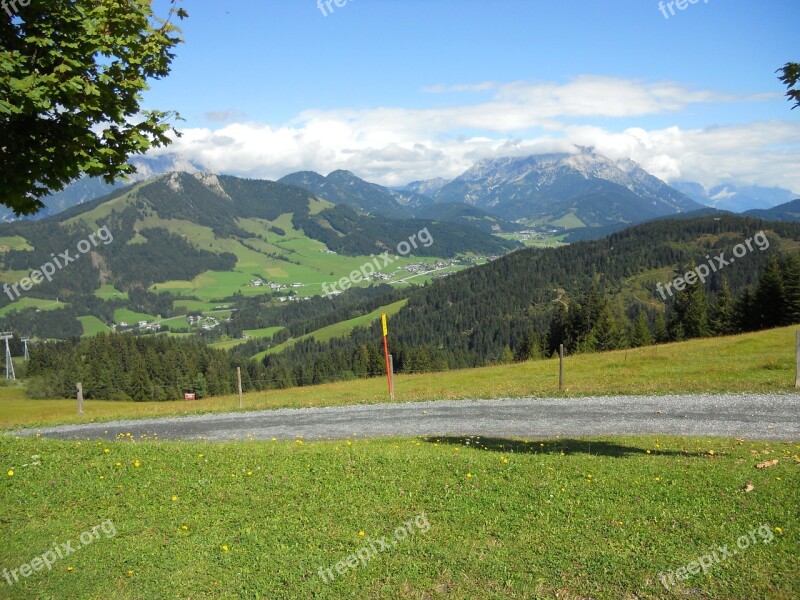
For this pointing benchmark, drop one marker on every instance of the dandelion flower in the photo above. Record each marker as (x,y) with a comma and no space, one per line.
(469,475)
(106,450)
(361,533)
(185,527)
(136,464)
(648,451)
(10,473)
(199,456)
(130,572)
(70,568)
(174,498)
(224,548)
(779,530)
(249,473)
(118,464)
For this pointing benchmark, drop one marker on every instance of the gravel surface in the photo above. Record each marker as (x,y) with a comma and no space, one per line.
(753,416)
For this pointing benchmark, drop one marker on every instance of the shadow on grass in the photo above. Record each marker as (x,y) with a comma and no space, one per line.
(567,446)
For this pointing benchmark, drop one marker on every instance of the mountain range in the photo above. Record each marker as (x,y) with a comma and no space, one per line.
(566,190)
(736,198)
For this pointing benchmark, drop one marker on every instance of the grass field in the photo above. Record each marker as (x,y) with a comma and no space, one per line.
(763,361)
(92,326)
(130,317)
(480,518)
(13,242)
(109,292)
(432,518)
(24,303)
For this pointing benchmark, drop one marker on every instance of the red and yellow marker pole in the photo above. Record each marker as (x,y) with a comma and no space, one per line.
(386,355)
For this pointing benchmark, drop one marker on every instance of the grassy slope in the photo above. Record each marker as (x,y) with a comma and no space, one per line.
(92,326)
(502,519)
(763,361)
(338,330)
(25,302)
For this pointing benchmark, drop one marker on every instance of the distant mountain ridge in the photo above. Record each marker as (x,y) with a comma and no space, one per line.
(573,190)
(342,187)
(592,188)
(789,211)
(736,198)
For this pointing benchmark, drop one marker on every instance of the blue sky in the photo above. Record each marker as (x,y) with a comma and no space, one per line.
(397,90)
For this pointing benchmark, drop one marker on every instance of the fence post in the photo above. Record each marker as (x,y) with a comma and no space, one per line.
(239,382)
(391,377)
(80,398)
(797,370)
(561,367)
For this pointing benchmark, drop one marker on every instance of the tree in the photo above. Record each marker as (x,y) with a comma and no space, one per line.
(660,331)
(690,314)
(70,92)
(790,75)
(641,335)
(770,298)
(791,288)
(721,315)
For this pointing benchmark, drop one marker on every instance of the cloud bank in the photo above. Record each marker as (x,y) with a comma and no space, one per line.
(394,145)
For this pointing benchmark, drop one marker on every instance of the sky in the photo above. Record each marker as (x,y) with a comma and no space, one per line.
(404,90)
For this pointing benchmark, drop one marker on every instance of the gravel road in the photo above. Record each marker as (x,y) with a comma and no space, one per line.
(753,416)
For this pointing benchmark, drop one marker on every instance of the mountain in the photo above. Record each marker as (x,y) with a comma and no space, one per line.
(342,187)
(186,242)
(86,189)
(458,212)
(735,198)
(428,187)
(581,189)
(789,211)
(346,231)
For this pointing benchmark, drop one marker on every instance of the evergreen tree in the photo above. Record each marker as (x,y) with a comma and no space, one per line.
(722,314)
(608,332)
(690,312)
(770,300)
(660,331)
(790,270)
(641,335)
(745,317)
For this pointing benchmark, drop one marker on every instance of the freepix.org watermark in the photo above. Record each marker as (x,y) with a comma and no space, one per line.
(10,6)
(716,555)
(673,4)
(367,553)
(48,269)
(702,272)
(329,4)
(379,263)
(60,551)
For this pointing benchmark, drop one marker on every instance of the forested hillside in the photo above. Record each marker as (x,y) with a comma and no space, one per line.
(590,296)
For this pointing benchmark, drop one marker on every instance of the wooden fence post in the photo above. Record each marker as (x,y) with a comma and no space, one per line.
(80,398)
(239,381)
(391,377)
(561,367)
(797,369)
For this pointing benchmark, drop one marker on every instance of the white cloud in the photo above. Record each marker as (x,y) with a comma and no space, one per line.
(393,146)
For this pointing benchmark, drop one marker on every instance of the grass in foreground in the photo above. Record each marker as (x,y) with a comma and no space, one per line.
(506,519)
(754,362)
